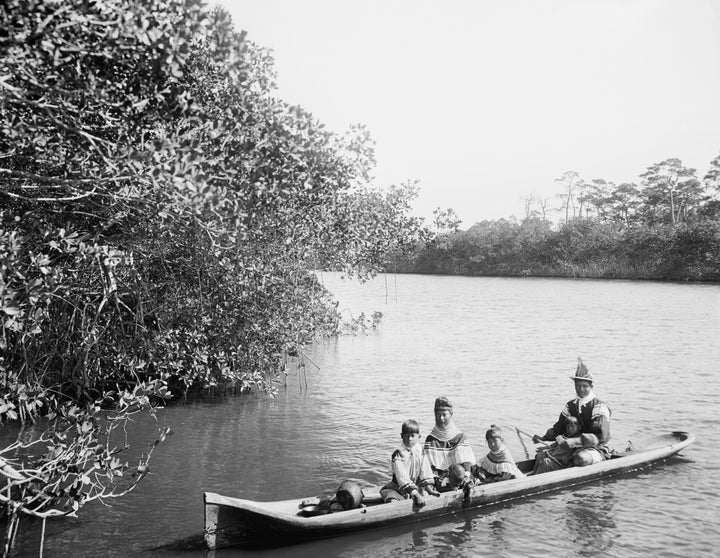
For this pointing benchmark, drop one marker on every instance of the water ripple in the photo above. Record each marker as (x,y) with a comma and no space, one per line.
(502,350)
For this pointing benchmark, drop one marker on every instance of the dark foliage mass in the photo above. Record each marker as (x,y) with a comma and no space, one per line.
(161,214)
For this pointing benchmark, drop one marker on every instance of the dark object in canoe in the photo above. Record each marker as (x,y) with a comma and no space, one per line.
(235,522)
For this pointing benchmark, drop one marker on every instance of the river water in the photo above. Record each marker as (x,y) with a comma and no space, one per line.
(502,350)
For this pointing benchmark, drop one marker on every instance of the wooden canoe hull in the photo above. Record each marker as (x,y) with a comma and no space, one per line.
(237,522)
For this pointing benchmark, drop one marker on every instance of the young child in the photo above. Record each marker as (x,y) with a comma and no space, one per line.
(498,464)
(560,453)
(459,479)
(411,472)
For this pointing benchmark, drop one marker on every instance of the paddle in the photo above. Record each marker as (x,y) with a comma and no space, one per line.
(543,442)
(519,432)
(522,432)
(527,453)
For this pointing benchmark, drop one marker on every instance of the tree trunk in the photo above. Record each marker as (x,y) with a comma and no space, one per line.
(672,207)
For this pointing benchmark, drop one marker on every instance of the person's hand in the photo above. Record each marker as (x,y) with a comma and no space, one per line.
(417,498)
(574,442)
(467,480)
(430,489)
(537,439)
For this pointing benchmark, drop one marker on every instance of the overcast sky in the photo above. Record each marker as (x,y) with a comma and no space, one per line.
(486,102)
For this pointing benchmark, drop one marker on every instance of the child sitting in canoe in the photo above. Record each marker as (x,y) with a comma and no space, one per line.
(459,479)
(560,453)
(498,464)
(411,473)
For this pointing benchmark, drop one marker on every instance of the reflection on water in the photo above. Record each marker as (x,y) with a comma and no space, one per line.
(589,520)
(419,540)
(448,543)
(497,536)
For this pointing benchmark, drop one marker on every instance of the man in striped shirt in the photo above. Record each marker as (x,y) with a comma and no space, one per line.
(593,416)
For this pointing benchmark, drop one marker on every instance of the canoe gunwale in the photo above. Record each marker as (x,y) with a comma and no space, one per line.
(236,522)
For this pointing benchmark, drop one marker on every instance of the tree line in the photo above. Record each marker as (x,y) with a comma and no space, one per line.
(669,192)
(666,227)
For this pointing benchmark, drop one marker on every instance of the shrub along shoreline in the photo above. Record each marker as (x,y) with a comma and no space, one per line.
(161,215)
(581,248)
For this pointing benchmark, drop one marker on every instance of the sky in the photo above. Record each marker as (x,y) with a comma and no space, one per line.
(488,102)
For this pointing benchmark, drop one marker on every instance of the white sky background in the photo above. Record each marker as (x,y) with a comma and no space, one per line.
(486,102)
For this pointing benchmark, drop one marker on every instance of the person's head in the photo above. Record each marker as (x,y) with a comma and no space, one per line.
(572,426)
(583,380)
(494,438)
(410,432)
(456,475)
(583,388)
(443,411)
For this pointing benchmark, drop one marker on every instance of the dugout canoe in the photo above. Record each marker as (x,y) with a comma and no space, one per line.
(237,522)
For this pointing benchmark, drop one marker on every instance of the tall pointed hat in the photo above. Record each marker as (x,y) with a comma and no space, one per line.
(582,374)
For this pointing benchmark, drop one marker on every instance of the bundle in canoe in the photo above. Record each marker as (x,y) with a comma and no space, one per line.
(236,522)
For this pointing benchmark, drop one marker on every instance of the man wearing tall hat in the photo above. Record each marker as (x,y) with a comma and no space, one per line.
(593,416)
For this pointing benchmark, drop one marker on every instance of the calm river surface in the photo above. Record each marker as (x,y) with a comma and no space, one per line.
(502,350)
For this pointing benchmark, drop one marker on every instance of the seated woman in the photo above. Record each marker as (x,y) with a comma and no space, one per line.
(446,446)
(561,452)
(498,464)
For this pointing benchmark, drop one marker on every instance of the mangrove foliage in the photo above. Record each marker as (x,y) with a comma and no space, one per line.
(161,215)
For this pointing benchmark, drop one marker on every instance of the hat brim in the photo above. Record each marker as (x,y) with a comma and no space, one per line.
(576,379)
